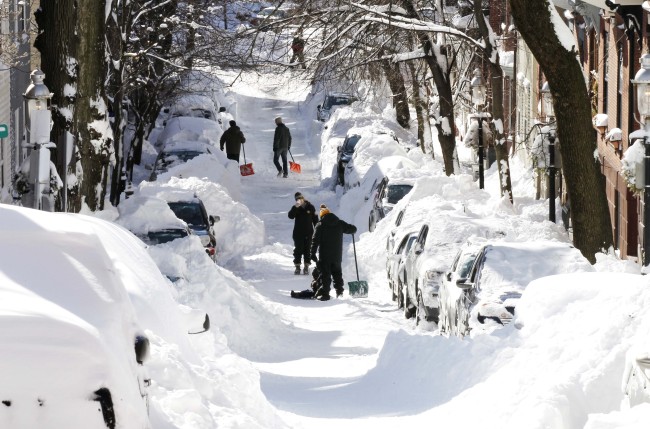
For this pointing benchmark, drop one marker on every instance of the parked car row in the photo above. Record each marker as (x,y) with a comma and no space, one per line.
(444,273)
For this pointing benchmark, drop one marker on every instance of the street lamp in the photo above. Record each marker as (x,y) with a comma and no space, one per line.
(478,98)
(549,112)
(37,98)
(642,83)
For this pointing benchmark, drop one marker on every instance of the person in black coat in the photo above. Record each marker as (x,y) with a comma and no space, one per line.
(233,138)
(328,242)
(305,217)
(281,144)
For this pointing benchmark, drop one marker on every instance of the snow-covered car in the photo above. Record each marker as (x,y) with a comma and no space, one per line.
(335,99)
(71,345)
(192,106)
(178,152)
(270,15)
(152,220)
(372,145)
(388,193)
(184,128)
(395,260)
(190,209)
(636,376)
(345,152)
(390,240)
(486,295)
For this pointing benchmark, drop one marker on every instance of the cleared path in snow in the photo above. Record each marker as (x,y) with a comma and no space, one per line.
(315,372)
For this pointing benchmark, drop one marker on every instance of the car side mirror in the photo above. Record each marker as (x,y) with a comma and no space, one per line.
(449,277)
(462,283)
(214,219)
(222,109)
(418,249)
(206,325)
(339,149)
(141,348)
(318,107)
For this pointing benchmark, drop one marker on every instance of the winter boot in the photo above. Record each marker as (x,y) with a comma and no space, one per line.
(297,271)
(322,295)
(306,269)
(339,291)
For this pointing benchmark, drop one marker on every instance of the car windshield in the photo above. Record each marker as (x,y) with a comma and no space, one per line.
(163,236)
(188,211)
(332,100)
(350,143)
(397,192)
(465,265)
(182,155)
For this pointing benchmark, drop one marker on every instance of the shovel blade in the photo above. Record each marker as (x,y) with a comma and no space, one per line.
(358,289)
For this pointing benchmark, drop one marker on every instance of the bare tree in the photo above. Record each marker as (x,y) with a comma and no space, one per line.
(585,183)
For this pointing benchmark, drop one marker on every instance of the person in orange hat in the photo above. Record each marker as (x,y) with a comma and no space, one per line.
(327,251)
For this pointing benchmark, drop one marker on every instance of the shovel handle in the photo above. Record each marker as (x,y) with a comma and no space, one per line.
(354,248)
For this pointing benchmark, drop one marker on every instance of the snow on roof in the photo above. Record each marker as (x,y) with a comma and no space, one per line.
(190,128)
(141,214)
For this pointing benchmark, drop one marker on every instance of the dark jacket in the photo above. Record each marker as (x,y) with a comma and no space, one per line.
(282,137)
(305,217)
(328,238)
(297,45)
(233,138)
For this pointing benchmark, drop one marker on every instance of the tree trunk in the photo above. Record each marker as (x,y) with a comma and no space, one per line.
(496,84)
(585,184)
(397,87)
(445,121)
(56,43)
(91,123)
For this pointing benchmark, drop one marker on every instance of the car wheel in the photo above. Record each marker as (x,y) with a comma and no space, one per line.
(461,323)
(400,295)
(408,311)
(420,311)
(372,224)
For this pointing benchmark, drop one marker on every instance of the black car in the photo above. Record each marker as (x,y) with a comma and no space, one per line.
(193,212)
(331,100)
(346,150)
(388,194)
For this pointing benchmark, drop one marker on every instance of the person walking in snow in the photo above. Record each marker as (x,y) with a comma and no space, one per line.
(305,217)
(281,145)
(298,48)
(232,138)
(328,243)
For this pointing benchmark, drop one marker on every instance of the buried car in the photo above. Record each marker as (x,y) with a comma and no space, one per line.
(178,152)
(191,210)
(331,100)
(389,192)
(71,346)
(485,295)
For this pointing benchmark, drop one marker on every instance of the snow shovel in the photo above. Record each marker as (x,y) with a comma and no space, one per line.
(358,289)
(246,169)
(293,165)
